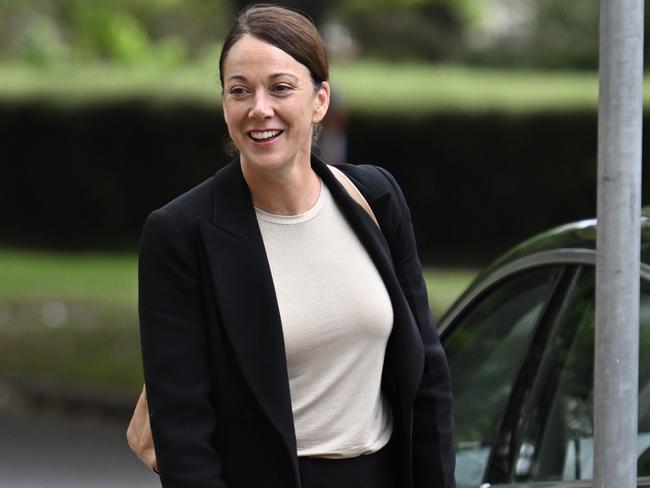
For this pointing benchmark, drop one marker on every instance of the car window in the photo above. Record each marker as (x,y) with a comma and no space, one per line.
(557,423)
(485,349)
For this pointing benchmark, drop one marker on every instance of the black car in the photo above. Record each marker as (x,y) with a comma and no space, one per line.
(520,345)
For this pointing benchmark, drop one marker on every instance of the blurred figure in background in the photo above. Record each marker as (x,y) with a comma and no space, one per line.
(333,142)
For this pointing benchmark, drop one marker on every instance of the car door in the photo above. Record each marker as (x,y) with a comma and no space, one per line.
(554,441)
(487,345)
(521,360)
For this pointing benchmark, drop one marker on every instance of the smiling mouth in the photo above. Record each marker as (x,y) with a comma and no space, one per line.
(264,135)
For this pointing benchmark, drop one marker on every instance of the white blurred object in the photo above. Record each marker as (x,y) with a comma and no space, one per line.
(54,314)
(339,41)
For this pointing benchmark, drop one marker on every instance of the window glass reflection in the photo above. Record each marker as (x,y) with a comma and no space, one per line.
(485,351)
(557,441)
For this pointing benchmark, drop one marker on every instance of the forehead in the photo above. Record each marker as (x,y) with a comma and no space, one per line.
(250,57)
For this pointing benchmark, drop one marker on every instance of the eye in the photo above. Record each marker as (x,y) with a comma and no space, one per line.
(282,88)
(238,91)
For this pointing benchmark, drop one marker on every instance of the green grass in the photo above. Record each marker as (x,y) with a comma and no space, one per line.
(364,85)
(445,286)
(99,278)
(70,320)
(105,351)
(418,87)
(76,83)
(110,280)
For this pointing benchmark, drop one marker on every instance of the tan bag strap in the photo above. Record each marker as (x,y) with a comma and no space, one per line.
(139,433)
(354,192)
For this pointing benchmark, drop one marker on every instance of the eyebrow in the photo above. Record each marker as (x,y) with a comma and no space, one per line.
(279,75)
(271,77)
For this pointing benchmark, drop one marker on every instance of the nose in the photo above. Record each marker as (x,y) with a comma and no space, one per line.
(262,107)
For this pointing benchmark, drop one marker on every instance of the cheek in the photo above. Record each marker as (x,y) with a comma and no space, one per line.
(231,118)
(308,116)
(226,114)
(230,127)
(235,108)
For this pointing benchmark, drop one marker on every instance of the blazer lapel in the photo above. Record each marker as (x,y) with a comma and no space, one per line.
(405,342)
(245,297)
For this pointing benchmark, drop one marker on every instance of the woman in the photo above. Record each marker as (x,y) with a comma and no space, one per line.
(286,339)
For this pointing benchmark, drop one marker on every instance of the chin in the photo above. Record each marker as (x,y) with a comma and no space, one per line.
(270,161)
(264,162)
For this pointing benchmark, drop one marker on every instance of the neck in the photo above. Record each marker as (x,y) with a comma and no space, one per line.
(287,191)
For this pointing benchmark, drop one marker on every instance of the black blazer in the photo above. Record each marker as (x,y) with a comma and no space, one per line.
(213,350)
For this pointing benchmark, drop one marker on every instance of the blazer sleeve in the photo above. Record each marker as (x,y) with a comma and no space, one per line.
(433,449)
(175,356)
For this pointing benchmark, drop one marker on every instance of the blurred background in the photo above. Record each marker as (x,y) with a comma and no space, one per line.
(484,110)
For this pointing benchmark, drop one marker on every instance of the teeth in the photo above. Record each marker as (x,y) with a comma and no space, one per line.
(267,134)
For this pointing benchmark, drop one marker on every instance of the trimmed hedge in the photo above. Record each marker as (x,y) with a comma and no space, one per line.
(479,183)
(86,177)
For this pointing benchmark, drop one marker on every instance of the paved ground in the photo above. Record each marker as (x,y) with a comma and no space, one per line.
(50,452)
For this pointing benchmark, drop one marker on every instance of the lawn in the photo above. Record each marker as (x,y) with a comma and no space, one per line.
(107,279)
(363,85)
(445,285)
(71,319)
(68,319)
(418,87)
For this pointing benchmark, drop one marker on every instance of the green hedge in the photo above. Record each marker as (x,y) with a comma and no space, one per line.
(478,183)
(86,176)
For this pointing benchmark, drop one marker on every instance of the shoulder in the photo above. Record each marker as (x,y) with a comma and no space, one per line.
(384,196)
(194,202)
(372,180)
(180,214)
(199,201)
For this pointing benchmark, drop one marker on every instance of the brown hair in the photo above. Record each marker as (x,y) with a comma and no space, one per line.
(287,29)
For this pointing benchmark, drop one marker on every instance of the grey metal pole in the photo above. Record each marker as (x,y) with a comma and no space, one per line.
(618,244)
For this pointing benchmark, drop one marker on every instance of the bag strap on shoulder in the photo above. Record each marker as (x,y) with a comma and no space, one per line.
(354,192)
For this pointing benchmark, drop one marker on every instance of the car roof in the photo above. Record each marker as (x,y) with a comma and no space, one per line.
(569,243)
(576,235)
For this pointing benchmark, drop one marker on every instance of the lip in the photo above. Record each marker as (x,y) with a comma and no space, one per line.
(265,141)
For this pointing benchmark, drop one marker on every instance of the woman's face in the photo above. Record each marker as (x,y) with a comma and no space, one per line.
(270,103)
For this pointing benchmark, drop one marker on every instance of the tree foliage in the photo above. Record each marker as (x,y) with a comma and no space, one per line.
(128,31)
(429,30)
(548,34)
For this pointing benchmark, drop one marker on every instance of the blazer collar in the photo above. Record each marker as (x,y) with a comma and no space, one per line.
(233,210)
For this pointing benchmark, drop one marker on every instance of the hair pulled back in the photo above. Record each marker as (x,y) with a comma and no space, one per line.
(286,29)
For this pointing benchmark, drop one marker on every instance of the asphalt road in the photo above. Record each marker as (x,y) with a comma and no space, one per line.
(54,453)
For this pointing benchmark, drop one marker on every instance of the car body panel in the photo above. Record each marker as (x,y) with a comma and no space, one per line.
(565,256)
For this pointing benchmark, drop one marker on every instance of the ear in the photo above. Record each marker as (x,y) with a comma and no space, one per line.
(321,102)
